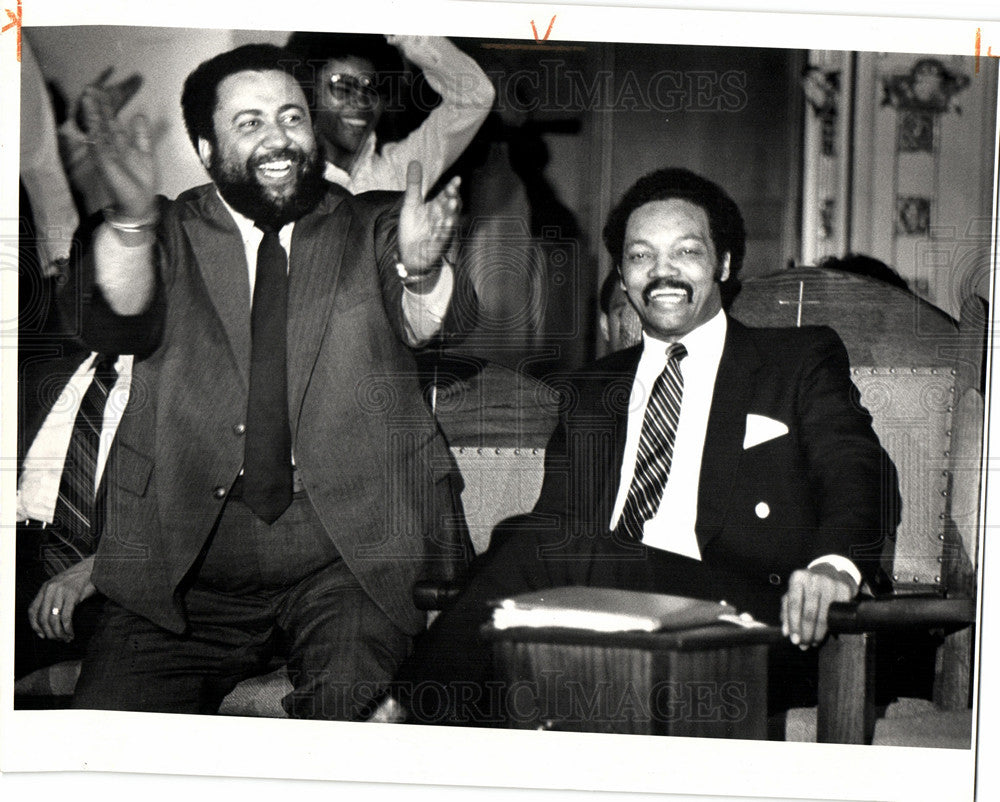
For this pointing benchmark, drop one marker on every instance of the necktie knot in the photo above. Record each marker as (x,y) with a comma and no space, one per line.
(104,365)
(267,228)
(676,352)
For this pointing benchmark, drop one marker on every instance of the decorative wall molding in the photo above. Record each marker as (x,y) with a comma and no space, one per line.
(929,86)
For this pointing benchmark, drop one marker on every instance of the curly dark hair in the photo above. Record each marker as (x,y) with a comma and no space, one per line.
(200,94)
(314,49)
(725,222)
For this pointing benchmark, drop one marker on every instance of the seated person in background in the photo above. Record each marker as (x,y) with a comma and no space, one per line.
(743,466)
(862,265)
(70,410)
(347,81)
(620,325)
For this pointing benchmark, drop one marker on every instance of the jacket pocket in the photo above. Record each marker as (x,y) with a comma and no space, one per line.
(133,469)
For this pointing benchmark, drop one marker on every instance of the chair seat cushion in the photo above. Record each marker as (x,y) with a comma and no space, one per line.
(258,696)
(907,722)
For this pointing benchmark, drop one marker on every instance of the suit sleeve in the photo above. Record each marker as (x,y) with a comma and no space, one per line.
(853,480)
(459,306)
(102,328)
(466,99)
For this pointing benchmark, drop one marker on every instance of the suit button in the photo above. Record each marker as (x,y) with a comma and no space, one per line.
(762,510)
(774,579)
(239,429)
(219,492)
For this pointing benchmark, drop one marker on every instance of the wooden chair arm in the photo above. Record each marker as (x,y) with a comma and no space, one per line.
(847,658)
(900,612)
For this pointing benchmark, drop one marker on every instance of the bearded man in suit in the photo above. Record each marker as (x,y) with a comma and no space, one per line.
(279,480)
(775,494)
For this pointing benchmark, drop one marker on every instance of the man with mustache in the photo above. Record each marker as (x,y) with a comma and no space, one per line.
(710,460)
(279,482)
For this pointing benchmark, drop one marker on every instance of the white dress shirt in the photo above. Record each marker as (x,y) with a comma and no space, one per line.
(423,313)
(672,528)
(41,169)
(41,471)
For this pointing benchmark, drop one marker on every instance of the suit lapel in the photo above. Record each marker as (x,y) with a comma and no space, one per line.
(626,375)
(720,461)
(612,392)
(318,243)
(218,249)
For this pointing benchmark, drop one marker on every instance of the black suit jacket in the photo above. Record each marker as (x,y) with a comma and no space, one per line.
(824,487)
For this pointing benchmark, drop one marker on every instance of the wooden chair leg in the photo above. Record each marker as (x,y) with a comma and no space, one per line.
(952,687)
(846,713)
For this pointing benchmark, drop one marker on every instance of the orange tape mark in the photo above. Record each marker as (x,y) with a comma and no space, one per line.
(15,22)
(548,30)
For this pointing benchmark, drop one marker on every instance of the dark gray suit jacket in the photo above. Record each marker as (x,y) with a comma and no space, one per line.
(373,461)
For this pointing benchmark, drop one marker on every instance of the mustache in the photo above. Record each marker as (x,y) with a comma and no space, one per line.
(667,284)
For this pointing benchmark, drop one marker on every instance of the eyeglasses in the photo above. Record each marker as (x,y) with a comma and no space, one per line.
(343,86)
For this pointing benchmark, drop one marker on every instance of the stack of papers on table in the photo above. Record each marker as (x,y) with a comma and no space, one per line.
(612,610)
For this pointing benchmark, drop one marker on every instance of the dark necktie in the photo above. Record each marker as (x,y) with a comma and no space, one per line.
(78,517)
(267,460)
(656,447)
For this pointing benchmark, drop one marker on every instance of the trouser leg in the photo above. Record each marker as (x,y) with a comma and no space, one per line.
(133,664)
(343,649)
(446,679)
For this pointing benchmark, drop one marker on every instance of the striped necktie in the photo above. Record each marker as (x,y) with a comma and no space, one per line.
(78,517)
(656,447)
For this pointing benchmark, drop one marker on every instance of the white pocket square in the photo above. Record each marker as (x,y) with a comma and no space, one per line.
(760,429)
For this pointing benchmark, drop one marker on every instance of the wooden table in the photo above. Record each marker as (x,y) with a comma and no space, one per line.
(707,682)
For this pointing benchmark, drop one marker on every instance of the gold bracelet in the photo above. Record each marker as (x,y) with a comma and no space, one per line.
(112,218)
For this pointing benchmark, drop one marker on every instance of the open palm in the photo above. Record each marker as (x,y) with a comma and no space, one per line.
(123,154)
(425,229)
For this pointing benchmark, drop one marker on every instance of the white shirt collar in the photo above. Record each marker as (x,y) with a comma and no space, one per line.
(703,343)
(247,227)
(338,175)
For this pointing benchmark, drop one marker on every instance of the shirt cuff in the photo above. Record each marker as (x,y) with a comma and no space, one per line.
(424,313)
(839,563)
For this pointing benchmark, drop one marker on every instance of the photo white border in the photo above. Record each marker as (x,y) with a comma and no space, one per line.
(237,747)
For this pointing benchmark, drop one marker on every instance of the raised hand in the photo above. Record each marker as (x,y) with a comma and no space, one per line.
(123,154)
(426,229)
(117,94)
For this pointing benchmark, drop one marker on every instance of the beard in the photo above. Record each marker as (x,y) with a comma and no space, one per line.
(273,206)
